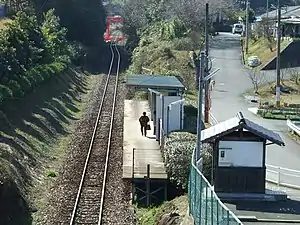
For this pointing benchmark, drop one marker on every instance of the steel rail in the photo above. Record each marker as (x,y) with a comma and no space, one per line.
(109,141)
(93,138)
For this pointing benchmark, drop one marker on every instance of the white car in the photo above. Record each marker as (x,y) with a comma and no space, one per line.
(237,28)
(253,61)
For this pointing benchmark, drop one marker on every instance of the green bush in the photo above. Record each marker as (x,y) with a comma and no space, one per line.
(178,151)
(183,44)
(31,52)
(25,84)
(5,92)
(16,89)
(297,106)
(51,174)
(282,116)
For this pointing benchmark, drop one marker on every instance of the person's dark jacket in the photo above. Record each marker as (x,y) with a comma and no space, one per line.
(144,120)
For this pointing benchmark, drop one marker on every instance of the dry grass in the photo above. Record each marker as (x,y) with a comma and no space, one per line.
(207,125)
(294,136)
(3,22)
(268,95)
(153,215)
(261,48)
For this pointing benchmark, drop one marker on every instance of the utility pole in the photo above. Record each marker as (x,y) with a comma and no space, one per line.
(267,9)
(278,54)
(199,115)
(206,105)
(247,26)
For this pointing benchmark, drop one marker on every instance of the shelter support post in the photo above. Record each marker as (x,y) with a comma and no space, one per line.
(168,120)
(162,111)
(154,94)
(166,190)
(181,115)
(158,129)
(148,194)
(132,180)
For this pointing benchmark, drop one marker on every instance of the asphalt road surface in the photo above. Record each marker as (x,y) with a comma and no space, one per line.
(231,82)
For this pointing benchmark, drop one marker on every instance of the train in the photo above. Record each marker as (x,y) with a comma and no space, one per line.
(114,31)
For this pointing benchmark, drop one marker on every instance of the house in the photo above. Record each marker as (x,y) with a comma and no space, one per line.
(290,21)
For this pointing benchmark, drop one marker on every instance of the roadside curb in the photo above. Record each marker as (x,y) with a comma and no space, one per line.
(254,111)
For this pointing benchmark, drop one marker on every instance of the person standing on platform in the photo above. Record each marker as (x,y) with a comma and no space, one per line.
(144,120)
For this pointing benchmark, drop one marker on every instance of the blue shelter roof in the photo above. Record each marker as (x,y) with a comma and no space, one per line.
(154,81)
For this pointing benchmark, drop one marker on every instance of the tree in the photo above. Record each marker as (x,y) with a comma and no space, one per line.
(283,75)
(257,79)
(30,53)
(14,6)
(264,29)
(140,15)
(294,74)
(22,45)
(55,36)
(85,20)
(192,13)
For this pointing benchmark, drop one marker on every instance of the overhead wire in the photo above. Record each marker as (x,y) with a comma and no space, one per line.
(41,9)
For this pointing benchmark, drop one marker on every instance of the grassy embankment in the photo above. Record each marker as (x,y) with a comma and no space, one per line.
(264,49)
(152,216)
(4,21)
(35,132)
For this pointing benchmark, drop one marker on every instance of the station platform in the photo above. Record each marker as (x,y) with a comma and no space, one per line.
(139,149)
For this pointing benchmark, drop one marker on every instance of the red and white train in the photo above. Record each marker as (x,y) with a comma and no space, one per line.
(113,30)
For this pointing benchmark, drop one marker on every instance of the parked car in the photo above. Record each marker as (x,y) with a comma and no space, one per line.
(253,61)
(237,28)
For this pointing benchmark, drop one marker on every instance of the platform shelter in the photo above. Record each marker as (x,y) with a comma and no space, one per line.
(165,96)
(143,162)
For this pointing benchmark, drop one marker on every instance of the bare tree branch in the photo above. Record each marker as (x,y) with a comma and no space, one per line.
(294,74)
(264,29)
(257,79)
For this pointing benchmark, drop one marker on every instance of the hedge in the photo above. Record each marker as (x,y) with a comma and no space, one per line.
(282,114)
(178,151)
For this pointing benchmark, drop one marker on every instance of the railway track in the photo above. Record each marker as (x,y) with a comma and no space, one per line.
(89,204)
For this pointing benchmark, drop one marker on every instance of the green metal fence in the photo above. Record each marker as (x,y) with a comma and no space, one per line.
(205,206)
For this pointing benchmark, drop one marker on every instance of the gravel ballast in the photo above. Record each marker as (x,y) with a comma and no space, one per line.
(61,194)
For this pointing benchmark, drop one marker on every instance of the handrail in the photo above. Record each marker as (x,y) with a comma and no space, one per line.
(283,176)
(293,126)
(229,212)
(213,119)
(282,168)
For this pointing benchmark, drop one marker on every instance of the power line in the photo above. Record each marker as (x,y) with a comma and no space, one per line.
(41,9)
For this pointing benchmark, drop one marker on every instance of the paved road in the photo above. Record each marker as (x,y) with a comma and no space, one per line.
(231,81)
